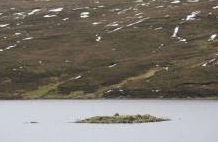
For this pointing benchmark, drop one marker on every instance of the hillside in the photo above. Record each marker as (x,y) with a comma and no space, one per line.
(108,49)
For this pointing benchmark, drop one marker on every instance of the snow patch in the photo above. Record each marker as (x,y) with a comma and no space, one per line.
(77,77)
(56,10)
(137,22)
(49,16)
(115,10)
(79,8)
(215,7)
(84,14)
(192,0)
(176,30)
(101,6)
(20,15)
(112,65)
(96,23)
(166,68)
(98,38)
(28,38)
(65,19)
(4,25)
(139,1)
(212,37)
(113,24)
(175,1)
(108,91)
(210,62)
(155,90)
(17,34)
(160,6)
(175,35)
(159,28)
(124,11)
(34,11)
(117,29)
(9,47)
(192,16)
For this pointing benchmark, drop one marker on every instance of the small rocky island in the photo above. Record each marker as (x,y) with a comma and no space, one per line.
(122,119)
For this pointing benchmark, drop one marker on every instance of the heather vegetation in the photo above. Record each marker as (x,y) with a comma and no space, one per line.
(81,49)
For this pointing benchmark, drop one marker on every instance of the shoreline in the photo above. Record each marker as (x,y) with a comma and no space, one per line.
(118,99)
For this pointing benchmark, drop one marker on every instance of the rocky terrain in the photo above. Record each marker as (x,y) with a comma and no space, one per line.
(130,119)
(85,49)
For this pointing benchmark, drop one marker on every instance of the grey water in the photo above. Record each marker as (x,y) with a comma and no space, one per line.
(50,121)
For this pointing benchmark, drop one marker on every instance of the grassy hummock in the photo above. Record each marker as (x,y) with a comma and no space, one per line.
(122,119)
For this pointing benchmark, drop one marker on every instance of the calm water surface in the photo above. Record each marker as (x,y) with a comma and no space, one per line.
(192,121)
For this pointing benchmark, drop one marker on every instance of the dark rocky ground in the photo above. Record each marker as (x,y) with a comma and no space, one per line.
(108,49)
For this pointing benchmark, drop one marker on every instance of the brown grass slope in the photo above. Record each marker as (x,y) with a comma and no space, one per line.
(135,57)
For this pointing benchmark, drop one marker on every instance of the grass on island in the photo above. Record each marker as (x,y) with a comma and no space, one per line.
(122,119)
